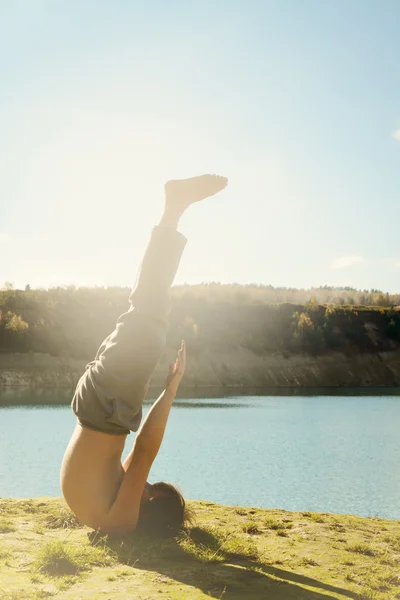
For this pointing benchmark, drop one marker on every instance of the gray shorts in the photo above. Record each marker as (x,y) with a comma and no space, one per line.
(110,393)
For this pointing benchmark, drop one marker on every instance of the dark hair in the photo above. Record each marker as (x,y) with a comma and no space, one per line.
(165,514)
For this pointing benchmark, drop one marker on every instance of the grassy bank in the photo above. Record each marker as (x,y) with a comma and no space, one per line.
(229,553)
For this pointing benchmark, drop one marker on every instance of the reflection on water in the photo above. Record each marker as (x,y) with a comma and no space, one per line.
(210,404)
(177,404)
(325,453)
(63,397)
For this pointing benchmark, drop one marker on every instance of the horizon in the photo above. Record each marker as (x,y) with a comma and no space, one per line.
(298,106)
(9,287)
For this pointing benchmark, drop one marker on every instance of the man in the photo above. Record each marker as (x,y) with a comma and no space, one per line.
(104,493)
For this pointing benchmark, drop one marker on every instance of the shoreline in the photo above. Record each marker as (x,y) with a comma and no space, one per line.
(40,395)
(225,373)
(375,516)
(249,507)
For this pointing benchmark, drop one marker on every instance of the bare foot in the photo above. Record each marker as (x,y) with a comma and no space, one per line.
(180,193)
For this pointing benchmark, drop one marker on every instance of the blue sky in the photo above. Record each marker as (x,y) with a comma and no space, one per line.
(297,103)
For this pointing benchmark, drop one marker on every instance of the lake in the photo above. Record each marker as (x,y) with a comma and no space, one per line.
(323,453)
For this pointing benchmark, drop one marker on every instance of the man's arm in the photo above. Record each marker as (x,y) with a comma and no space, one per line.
(124,513)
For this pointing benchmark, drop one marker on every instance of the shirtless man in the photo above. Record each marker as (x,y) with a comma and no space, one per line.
(104,493)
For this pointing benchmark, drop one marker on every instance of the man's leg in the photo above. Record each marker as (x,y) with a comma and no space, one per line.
(179,195)
(162,257)
(146,322)
(119,377)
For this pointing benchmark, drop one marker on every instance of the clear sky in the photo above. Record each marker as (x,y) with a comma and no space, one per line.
(297,103)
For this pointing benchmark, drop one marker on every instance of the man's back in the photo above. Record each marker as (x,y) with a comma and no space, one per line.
(91,474)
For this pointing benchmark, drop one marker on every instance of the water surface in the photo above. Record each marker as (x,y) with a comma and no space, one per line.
(320,453)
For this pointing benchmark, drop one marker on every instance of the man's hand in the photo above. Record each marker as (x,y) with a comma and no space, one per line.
(176,371)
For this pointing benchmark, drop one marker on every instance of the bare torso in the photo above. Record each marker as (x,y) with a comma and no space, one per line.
(91,474)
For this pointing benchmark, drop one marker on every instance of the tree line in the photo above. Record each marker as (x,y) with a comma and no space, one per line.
(69,321)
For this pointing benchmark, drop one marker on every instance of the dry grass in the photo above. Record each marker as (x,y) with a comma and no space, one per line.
(232,553)
(6,525)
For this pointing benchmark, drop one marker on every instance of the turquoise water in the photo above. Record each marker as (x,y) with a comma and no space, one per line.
(320,453)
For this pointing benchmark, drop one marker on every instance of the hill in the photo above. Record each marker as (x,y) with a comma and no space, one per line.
(235,339)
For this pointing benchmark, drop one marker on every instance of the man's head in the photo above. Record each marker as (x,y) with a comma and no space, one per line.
(162,510)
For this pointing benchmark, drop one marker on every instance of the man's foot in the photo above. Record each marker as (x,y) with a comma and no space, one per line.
(180,193)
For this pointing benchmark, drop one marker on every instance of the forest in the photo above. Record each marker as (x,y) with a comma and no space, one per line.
(72,322)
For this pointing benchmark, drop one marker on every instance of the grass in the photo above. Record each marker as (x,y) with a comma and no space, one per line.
(277,524)
(316,517)
(4,554)
(393,541)
(59,558)
(63,518)
(251,528)
(282,533)
(363,548)
(232,553)
(6,525)
(309,562)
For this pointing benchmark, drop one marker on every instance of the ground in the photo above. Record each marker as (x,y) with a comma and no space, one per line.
(229,553)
